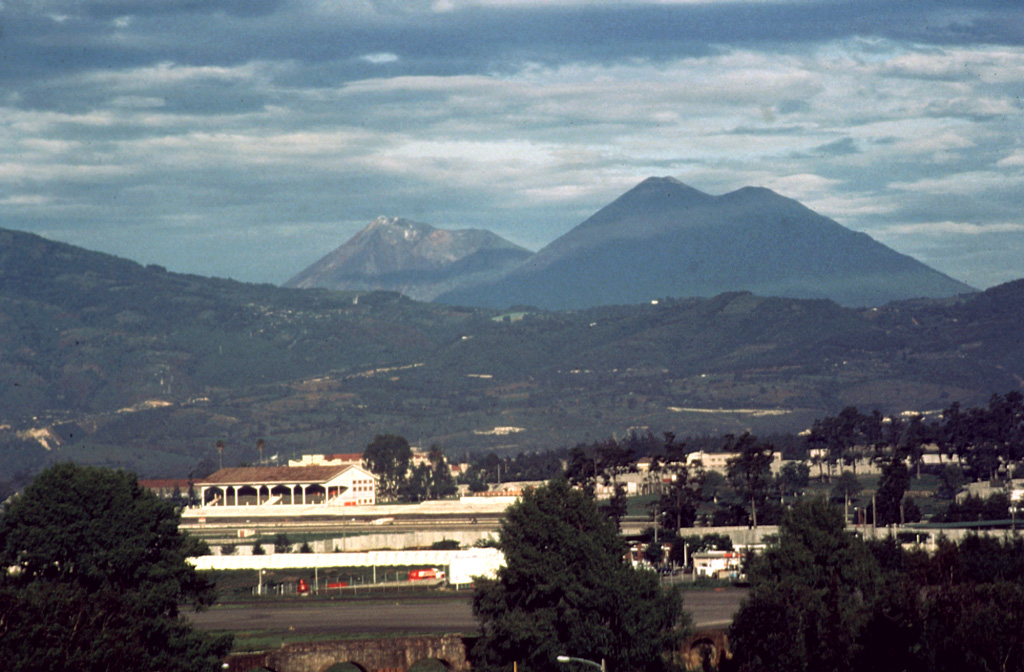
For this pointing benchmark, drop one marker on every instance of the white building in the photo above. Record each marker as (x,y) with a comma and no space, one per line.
(329,486)
(719,461)
(718,564)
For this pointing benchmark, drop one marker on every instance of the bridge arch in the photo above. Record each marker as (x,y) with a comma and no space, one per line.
(706,650)
(429,653)
(347,666)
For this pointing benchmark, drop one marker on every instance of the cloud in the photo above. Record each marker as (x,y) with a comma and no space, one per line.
(523,117)
(957,229)
(380,58)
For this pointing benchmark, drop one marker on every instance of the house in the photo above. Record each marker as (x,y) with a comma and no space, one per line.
(320,485)
(720,461)
(718,564)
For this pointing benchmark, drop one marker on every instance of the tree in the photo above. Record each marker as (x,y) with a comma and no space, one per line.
(794,477)
(441,482)
(677,507)
(811,594)
(566,588)
(846,487)
(94,574)
(951,479)
(892,485)
(750,471)
(416,487)
(617,505)
(388,456)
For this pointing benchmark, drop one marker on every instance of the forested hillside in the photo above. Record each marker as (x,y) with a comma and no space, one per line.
(109,362)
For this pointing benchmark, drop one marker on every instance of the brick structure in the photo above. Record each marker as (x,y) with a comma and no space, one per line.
(373,655)
(709,645)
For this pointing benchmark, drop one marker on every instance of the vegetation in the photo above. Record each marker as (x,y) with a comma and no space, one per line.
(95,572)
(390,457)
(567,589)
(272,372)
(824,600)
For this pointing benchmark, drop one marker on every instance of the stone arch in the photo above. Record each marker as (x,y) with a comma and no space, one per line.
(706,651)
(430,665)
(347,666)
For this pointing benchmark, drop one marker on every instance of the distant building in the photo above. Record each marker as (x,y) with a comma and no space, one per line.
(323,485)
(165,488)
(719,461)
(718,564)
(336,460)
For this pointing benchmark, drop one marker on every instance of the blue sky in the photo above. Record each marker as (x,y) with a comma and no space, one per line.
(247,138)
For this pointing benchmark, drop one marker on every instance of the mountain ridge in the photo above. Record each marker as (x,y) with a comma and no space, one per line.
(666,239)
(134,366)
(414,258)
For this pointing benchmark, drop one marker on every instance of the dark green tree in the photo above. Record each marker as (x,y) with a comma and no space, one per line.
(581,468)
(794,477)
(417,486)
(677,507)
(567,588)
(388,456)
(94,572)
(750,471)
(974,627)
(892,485)
(846,488)
(811,595)
(951,479)
(617,505)
(441,483)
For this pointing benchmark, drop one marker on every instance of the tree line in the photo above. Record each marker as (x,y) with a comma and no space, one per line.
(390,458)
(985,440)
(821,599)
(825,600)
(978,443)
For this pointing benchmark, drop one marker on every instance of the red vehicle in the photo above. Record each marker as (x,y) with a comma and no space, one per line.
(420,574)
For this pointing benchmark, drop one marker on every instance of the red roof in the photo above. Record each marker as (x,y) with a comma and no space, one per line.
(253,475)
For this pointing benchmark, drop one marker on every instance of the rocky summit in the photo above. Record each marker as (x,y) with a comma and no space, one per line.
(413,258)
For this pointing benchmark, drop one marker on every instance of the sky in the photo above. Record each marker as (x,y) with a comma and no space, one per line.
(248,138)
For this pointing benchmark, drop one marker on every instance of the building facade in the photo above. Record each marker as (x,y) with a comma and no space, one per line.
(328,486)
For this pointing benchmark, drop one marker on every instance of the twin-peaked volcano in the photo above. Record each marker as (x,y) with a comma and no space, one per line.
(663,238)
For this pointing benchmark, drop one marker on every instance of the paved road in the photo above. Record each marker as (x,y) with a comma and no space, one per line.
(710,608)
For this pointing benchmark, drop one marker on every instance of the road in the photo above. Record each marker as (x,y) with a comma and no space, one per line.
(710,608)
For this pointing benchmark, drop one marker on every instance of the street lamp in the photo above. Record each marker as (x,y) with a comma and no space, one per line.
(570,659)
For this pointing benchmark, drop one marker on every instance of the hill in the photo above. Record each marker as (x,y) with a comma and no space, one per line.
(665,239)
(412,258)
(108,362)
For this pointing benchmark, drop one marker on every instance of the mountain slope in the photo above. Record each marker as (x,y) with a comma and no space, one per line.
(415,259)
(665,239)
(108,362)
